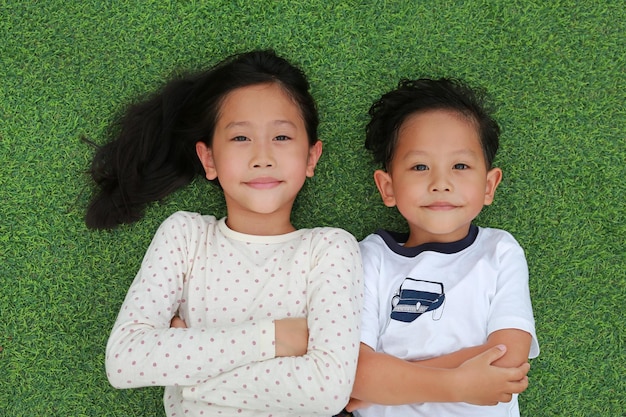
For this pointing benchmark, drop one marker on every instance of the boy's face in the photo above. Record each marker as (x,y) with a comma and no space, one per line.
(438,177)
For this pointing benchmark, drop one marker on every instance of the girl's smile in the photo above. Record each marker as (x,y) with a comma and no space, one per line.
(264,183)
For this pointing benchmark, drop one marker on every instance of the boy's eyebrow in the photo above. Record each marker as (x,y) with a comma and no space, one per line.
(465,152)
(278,122)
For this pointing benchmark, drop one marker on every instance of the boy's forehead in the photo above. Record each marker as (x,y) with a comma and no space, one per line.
(439,116)
(440,128)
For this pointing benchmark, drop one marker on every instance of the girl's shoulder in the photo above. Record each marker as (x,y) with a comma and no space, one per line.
(331,238)
(186,222)
(190,217)
(326,233)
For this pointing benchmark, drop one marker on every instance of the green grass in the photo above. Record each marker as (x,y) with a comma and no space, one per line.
(555,69)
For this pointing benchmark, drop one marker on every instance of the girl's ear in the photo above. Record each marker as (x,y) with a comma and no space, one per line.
(205,154)
(315,152)
(494,176)
(385,187)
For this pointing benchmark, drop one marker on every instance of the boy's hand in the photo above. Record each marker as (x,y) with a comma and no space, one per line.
(178,323)
(292,337)
(486,384)
(355,404)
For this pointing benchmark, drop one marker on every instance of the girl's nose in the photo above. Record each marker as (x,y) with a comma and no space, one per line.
(262,157)
(441,187)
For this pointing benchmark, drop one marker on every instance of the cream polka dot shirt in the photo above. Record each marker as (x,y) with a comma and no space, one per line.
(229,288)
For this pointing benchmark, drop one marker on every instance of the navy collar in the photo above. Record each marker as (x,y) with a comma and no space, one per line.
(394,241)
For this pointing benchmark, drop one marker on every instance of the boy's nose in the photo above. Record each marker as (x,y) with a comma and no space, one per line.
(441,183)
(441,188)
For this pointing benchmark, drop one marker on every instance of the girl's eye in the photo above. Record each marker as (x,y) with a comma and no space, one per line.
(420,167)
(461,166)
(282,138)
(240,139)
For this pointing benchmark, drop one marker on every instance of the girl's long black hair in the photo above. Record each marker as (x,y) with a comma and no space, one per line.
(153,151)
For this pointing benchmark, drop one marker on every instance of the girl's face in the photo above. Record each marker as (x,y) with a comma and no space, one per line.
(438,178)
(261,156)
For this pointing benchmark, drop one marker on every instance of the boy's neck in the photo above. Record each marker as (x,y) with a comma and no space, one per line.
(417,238)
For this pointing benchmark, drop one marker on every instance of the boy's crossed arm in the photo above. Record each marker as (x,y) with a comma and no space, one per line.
(482,375)
(517,344)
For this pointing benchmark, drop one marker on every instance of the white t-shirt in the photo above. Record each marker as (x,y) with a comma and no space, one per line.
(229,288)
(437,298)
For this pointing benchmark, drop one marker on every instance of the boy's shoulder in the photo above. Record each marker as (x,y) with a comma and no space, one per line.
(496,236)
(377,239)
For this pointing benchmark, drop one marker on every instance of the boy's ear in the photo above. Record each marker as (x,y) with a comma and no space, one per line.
(494,176)
(315,152)
(385,187)
(205,154)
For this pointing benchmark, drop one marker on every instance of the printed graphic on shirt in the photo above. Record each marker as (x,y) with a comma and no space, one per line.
(416,297)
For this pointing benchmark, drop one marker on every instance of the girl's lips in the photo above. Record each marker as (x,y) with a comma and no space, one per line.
(263,183)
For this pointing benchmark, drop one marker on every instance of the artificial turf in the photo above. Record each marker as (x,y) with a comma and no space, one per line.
(557,74)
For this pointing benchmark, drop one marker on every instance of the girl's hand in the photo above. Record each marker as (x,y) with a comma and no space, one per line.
(291,337)
(178,323)
(482,383)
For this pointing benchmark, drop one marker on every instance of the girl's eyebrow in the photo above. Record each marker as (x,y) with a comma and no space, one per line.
(279,122)
(457,153)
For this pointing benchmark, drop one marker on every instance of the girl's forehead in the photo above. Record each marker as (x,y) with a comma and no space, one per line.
(258,101)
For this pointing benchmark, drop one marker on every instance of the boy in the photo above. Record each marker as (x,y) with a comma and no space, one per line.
(448,290)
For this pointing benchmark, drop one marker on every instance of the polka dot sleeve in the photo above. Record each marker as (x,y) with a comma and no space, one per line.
(321,380)
(142,349)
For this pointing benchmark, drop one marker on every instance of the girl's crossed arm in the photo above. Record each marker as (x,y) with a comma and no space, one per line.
(144,351)
(321,379)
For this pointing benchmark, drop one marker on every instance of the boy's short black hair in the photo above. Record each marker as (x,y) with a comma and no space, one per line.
(423,95)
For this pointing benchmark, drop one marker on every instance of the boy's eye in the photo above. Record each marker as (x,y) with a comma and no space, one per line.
(461,166)
(420,167)
(240,139)
(282,138)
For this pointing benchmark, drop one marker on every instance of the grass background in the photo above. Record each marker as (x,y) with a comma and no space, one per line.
(556,71)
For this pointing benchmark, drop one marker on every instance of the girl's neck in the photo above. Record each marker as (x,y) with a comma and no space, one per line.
(260,224)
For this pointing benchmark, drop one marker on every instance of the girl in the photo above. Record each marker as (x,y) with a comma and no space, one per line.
(270,313)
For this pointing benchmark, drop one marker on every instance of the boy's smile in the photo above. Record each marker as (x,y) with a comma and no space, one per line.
(438,177)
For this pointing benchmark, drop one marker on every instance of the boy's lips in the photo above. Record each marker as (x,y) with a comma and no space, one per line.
(440,205)
(263,183)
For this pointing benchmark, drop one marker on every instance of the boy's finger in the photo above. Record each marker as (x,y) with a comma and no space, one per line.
(494,353)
